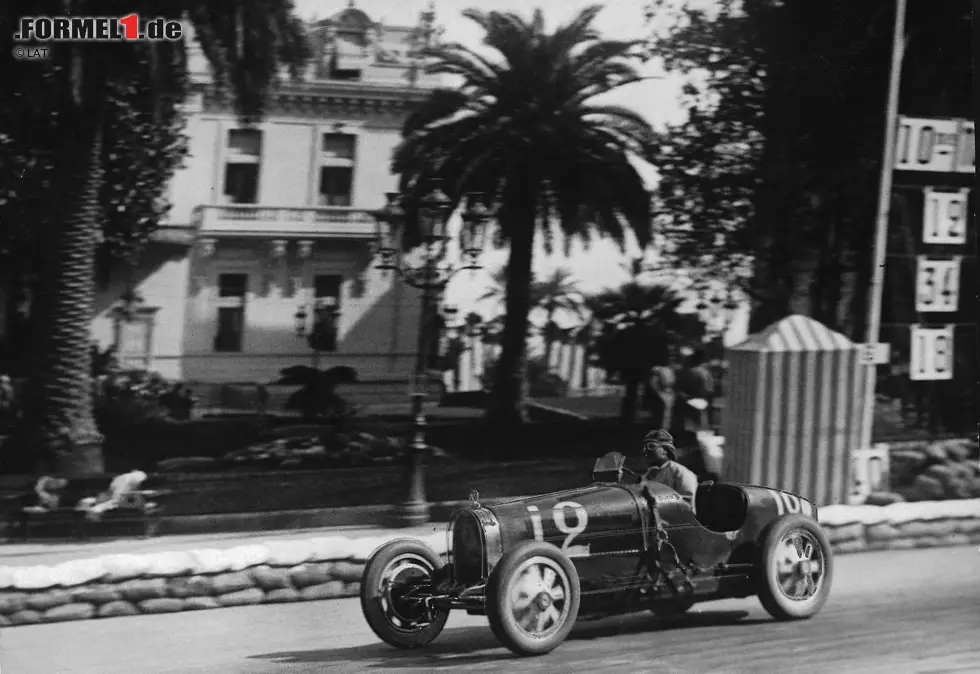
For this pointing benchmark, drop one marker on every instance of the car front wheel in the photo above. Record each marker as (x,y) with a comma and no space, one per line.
(390,585)
(533,598)
(796,568)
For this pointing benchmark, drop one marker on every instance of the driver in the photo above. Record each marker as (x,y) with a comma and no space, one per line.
(661,457)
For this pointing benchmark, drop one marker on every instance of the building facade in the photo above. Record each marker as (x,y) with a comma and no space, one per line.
(269,227)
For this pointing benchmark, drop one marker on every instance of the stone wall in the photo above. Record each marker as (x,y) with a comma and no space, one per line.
(331,567)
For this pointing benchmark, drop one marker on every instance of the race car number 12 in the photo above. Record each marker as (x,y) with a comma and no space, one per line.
(561,522)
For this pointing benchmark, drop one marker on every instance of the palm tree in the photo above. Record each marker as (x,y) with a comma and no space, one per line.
(247,43)
(639,323)
(524,127)
(557,292)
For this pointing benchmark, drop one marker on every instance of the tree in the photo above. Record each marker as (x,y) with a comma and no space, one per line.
(777,164)
(246,43)
(524,127)
(638,325)
(142,148)
(557,292)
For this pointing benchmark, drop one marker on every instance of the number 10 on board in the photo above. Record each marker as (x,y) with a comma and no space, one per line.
(932,353)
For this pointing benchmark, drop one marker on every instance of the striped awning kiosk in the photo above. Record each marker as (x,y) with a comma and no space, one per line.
(793,409)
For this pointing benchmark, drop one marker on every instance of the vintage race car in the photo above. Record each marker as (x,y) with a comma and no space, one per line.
(535,565)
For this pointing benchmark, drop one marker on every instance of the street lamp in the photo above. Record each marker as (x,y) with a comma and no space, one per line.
(324,334)
(431,274)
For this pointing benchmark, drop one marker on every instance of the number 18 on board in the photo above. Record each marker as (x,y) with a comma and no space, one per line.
(932,353)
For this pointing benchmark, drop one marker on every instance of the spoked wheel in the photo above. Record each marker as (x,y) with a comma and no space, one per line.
(796,568)
(533,598)
(390,586)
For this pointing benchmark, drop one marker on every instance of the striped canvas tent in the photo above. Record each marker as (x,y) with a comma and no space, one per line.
(793,409)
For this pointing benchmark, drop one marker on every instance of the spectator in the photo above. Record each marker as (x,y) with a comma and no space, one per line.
(695,395)
(46,494)
(122,490)
(659,395)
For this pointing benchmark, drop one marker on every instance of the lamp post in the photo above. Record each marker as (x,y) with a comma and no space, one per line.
(431,274)
(324,333)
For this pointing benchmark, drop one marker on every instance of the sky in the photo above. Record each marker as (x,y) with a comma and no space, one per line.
(656,99)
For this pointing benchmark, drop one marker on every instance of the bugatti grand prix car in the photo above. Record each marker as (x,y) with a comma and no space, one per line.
(535,565)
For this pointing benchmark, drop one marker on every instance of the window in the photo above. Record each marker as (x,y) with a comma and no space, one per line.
(326,287)
(336,169)
(326,311)
(338,146)
(335,186)
(232,290)
(243,159)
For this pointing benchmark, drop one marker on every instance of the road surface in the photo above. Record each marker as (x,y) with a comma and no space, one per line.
(910,611)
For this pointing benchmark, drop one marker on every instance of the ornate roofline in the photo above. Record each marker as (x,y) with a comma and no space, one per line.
(308,98)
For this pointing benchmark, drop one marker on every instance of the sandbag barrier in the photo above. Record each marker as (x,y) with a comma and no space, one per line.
(331,567)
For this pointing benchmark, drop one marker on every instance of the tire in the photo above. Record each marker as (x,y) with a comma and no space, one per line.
(779,567)
(398,624)
(559,607)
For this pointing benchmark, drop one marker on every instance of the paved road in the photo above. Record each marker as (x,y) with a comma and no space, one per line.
(912,611)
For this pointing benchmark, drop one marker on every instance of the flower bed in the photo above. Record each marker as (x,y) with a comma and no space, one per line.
(331,567)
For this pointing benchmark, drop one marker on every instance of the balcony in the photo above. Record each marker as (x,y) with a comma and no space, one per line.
(246,220)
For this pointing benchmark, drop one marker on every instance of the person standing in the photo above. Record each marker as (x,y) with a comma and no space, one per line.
(659,395)
(695,383)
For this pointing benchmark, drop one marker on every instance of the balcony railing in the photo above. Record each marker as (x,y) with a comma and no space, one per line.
(259,220)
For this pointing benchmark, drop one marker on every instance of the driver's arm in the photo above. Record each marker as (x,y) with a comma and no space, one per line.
(685,483)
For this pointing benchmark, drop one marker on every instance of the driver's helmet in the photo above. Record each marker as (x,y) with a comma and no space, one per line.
(662,438)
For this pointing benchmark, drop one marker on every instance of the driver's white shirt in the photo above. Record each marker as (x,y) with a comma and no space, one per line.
(677,477)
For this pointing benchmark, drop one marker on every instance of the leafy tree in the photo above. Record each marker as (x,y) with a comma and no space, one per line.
(778,162)
(524,126)
(142,148)
(638,325)
(246,43)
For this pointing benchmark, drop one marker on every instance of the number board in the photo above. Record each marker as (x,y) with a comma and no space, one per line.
(927,144)
(944,217)
(937,285)
(932,353)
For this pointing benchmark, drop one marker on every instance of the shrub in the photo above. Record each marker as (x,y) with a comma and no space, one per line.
(541,383)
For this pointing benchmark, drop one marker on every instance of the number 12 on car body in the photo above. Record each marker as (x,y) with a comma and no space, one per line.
(561,520)
(932,353)
(944,217)
(937,284)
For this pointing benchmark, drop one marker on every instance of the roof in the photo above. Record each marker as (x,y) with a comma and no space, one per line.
(796,333)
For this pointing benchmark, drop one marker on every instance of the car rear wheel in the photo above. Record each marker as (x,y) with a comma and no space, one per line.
(533,598)
(392,578)
(796,568)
